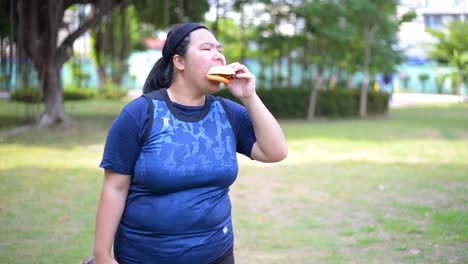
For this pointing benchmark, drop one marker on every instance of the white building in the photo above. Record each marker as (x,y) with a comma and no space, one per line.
(435,14)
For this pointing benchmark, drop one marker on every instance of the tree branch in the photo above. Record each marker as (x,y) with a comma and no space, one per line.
(29,42)
(68,41)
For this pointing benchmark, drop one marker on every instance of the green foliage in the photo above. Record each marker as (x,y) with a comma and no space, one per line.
(71,93)
(112,92)
(440,79)
(6,27)
(33,94)
(27,95)
(230,35)
(337,103)
(159,15)
(81,78)
(408,16)
(423,77)
(452,49)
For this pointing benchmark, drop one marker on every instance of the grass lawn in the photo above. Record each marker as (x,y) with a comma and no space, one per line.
(387,190)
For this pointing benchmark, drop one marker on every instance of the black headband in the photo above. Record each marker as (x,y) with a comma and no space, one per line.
(177,36)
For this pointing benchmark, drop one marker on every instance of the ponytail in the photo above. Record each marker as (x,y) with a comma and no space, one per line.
(159,77)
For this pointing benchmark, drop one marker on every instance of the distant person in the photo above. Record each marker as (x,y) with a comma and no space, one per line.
(170,158)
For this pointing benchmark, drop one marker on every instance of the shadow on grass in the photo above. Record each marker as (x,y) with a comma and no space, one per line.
(84,130)
(92,120)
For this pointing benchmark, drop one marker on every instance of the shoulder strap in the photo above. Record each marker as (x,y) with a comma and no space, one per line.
(149,99)
(228,113)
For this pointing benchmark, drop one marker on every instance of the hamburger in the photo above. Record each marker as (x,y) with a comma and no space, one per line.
(222,74)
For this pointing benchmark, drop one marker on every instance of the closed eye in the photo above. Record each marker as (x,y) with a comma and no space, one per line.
(211,46)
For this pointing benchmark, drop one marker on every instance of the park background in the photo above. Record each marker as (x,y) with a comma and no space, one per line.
(384,185)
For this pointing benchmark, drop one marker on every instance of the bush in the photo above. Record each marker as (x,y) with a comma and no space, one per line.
(337,103)
(33,94)
(112,92)
(75,94)
(26,95)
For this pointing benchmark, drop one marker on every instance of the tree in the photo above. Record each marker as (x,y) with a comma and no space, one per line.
(373,20)
(423,78)
(39,24)
(325,34)
(161,14)
(452,49)
(7,38)
(135,21)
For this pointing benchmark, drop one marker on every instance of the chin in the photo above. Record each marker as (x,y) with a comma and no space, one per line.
(214,87)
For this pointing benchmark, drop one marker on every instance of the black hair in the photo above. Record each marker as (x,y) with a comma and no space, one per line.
(177,42)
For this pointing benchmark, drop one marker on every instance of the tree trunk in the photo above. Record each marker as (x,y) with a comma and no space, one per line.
(458,84)
(313,94)
(99,55)
(305,67)
(216,22)
(167,13)
(2,61)
(39,25)
(272,74)
(365,80)
(350,80)
(53,93)
(243,38)
(289,70)
(181,12)
(109,47)
(12,46)
(276,72)
(125,46)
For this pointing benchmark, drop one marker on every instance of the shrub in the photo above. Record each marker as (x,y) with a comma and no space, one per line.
(26,95)
(71,93)
(33,94)
(112,91)
(337,103)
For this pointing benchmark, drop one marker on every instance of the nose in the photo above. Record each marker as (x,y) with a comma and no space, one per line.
(219,57)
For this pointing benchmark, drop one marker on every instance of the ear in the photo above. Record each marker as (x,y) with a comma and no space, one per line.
(179,62)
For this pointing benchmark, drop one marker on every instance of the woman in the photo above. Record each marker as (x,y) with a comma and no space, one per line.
(170,158)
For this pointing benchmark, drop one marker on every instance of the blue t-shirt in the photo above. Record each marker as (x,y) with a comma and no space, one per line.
(178,208)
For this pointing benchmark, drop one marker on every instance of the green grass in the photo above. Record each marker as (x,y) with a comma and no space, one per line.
(387,190)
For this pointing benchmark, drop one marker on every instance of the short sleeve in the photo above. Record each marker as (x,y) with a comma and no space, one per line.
(243,127)
(123,143)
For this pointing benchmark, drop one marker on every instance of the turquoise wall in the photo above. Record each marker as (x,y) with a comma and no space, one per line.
(140,63)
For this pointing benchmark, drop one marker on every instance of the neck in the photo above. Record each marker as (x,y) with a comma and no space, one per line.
(184,94)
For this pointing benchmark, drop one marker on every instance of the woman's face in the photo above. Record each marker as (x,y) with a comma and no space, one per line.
(203,52)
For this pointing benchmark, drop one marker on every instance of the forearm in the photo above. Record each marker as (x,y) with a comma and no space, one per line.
(271,144)
(110,209)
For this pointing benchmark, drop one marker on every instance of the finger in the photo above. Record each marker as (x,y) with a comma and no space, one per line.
(238,67)
(244,75)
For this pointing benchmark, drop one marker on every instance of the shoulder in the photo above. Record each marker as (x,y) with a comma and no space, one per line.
(232,107)
(137,109)
(136,105)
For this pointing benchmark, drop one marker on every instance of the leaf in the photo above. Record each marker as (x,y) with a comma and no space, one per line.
(63,218)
